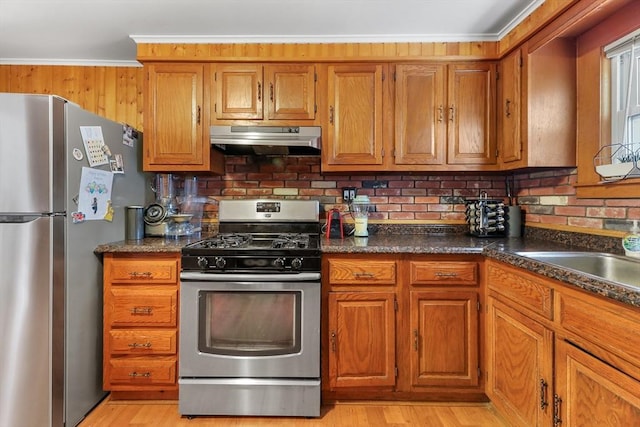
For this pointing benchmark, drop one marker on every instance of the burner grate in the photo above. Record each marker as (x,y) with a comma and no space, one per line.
(224,241)
(291,241)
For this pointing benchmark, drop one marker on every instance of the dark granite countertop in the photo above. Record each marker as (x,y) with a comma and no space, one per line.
(501,249)
(506,251)
(147,245)
(407,243)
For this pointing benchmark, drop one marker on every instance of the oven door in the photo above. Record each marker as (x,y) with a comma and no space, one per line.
(250,325)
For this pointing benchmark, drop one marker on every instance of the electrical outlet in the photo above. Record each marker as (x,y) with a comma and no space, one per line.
(348,194)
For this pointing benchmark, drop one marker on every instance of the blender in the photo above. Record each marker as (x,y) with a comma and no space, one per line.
(164,188)
(360,208)
(191,207)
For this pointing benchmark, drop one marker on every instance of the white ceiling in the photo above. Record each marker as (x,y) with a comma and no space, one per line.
(105,32)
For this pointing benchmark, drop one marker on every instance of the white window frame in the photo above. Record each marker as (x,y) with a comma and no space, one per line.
(624,56)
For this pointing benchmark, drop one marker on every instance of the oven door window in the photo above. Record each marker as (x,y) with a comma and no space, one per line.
(260,323)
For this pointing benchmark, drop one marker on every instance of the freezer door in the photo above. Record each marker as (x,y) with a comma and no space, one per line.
(26,318)
(26,137)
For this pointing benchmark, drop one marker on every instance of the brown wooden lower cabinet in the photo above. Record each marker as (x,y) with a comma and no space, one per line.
(558,356)
(141,325)
(519,365)
(362,339)
(590,392)
(401,327)
(444,328)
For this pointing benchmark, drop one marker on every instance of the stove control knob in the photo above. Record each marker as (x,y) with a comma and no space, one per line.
(279,263)
(296,263)
(203,263)
(220,262)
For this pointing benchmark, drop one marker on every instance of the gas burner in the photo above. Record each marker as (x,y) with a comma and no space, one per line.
(291,241)
(227,241)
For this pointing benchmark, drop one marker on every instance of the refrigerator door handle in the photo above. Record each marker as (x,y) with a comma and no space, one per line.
(20,218)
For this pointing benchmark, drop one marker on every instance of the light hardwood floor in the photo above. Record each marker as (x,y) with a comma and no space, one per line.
(343,414)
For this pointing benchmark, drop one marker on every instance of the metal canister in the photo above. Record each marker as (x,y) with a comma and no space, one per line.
(134,223)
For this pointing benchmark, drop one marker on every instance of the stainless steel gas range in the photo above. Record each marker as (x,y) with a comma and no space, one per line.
(250,313)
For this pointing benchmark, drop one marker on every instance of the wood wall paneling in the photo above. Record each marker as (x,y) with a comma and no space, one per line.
(316,52)
(111,92)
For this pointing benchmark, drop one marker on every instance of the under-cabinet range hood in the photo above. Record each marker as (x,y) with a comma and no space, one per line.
(265,140)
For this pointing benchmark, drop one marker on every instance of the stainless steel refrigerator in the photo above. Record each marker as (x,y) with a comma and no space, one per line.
(50,279)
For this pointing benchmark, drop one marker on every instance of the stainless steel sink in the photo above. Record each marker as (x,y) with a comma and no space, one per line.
(613,268)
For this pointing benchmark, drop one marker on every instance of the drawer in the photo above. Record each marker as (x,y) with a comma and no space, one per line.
(142,269)
(522,288)
(362,272)
(140,341)
(140,371)
(443,273)
(129,306)
(608,325)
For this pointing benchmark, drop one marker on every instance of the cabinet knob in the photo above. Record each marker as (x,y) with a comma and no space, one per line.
(507,107)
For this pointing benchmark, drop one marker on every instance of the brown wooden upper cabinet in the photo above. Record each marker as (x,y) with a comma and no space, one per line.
(420,125)
(176,136)
(537,107)
(444,114)
(258,92)
(439,115)
(354,126)
(471,129)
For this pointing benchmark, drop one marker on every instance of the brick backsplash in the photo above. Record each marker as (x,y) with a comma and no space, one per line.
(546,197)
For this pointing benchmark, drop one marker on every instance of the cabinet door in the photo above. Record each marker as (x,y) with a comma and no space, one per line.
(590,392)
(361,339)
(174,138)
(519,366)
(420,125)
(238,91)
(354,131)
(509,110)
(471,114)
(444,333)
(291,91)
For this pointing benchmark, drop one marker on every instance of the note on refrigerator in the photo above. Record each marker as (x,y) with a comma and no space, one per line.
(94,145)
(94,196)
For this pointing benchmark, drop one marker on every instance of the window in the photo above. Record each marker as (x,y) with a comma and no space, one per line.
(624,55)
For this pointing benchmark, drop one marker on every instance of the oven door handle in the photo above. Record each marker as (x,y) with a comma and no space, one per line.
(190,276)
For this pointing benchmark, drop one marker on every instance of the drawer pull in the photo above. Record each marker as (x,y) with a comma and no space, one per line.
(140,275)
(145,311)
(140,345)
(446,274)
(140,375)
(364,275)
